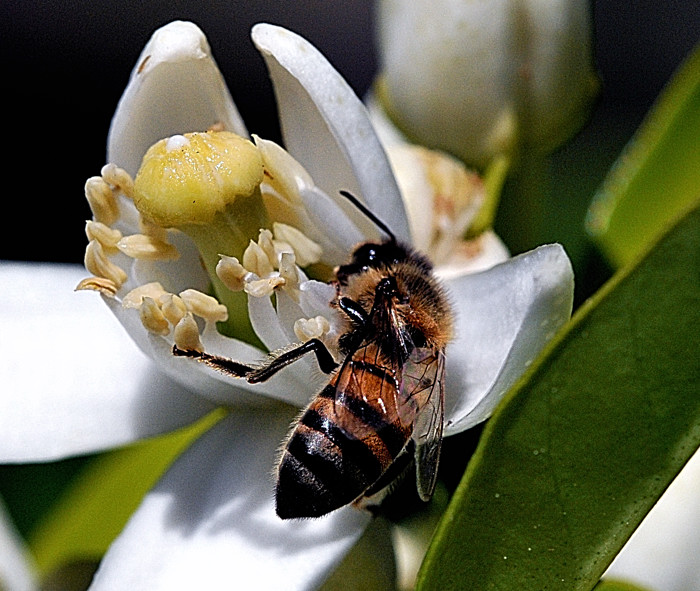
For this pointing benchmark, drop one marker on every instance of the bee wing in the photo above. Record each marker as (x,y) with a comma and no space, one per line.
(368,378)
(423,397)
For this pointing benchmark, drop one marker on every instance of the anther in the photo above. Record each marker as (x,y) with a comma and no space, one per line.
(144,247)
(119,179)
(106,236)
(259,288)
(102,285)
(152,317)
(306,329)
(134,298)
(97,263)
(204,305)
(306,251)
(186,334)
(257,260)
(231,273)
(173,308)
(101,200)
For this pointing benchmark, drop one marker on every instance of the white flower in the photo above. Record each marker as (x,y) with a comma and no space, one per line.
(72,384)
(16,571)
(662,553)
(485,77)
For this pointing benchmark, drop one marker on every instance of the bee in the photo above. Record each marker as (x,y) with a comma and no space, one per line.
(383,406)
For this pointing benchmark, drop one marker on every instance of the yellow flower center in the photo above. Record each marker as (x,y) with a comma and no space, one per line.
(207,185)
(189,179)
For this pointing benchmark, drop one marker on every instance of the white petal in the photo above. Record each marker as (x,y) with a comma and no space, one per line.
(505,316)
(203,381)
(327,128)
(298,382)
(662,554)
(72,381)
(336,240)
(210,522)
(475,77)
(16,573)
(451,81)
(483,253)
(176,87)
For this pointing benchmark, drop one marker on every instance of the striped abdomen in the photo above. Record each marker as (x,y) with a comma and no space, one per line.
(345,440)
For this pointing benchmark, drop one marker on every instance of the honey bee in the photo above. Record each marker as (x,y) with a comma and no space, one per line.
(383,405)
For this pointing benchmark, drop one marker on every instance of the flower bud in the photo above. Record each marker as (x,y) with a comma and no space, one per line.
(480,78)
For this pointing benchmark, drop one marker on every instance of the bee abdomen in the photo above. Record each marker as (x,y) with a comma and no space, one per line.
(326,465)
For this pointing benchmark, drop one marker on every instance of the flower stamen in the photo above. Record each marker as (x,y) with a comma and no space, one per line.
(97,263)
(186,334)
(306,329)
(102,285)
(101,200)
(146,247)
(153,318)
(231,273)
(106,236)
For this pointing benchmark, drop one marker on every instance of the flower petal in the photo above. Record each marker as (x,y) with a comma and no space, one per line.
(73,382)
(176,87)
(505,316)
(327,128)
(210,523)
(486,75)
(15,570)
(663,552)
(296,187)
(472,256)
(205,382)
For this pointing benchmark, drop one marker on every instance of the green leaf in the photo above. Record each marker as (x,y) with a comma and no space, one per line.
(95,508)
(656,177)
(588,440)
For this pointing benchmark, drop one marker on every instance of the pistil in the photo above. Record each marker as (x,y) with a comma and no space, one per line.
(208,186)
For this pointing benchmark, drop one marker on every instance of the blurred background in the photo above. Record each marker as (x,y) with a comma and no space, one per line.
(66,64)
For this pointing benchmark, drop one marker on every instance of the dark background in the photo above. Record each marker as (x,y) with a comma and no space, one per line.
(66,64)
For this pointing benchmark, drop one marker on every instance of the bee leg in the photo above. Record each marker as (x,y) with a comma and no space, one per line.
(230,367)
(354,312)
(325,360)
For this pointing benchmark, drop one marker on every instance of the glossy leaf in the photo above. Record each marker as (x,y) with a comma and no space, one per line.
(581,449)
(657,175)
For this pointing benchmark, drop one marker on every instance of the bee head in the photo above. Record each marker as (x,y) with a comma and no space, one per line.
(373,255)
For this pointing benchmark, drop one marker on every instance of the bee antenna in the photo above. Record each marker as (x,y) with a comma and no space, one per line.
(368,214)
